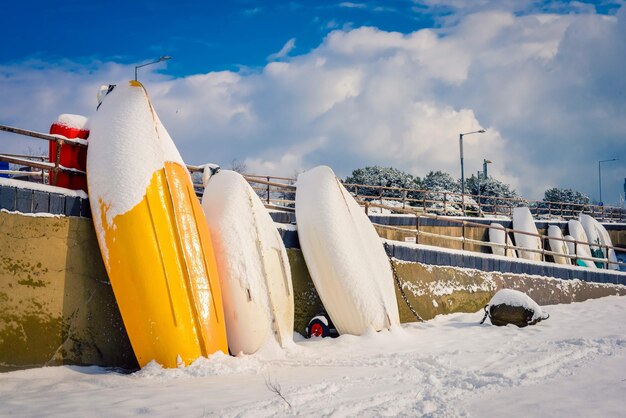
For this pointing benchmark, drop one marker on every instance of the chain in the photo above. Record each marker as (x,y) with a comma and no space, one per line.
(397,280)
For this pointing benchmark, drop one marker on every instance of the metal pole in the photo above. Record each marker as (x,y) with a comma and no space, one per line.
(462,172)
(600,181)
(600,175)
(478,194)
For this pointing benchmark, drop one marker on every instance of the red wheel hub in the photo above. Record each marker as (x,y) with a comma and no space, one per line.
(317,330)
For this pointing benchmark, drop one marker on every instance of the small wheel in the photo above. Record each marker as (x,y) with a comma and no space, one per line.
(317,328)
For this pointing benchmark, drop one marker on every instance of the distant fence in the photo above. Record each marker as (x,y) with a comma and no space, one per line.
(279,192)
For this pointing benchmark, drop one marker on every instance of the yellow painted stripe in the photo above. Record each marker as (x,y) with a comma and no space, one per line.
(162,269)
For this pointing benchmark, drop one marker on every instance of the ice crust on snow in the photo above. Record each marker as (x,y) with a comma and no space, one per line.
(127,144)
(344,255)
(252,261)
(516,298)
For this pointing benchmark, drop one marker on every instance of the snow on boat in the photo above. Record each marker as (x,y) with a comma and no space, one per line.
(557,245)
(523,221)
(597,234)
(497,235)
(252,261)
(344,255)
(577,231)
(154,239)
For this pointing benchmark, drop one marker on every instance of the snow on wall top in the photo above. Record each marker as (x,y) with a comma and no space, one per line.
(127,144)
(21,184)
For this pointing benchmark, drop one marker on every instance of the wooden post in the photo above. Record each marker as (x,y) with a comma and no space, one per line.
(506,242)
(463,232)
(57,159)
(268,191)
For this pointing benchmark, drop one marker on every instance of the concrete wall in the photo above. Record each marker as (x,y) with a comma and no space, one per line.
(56,303)
(57,306)
(434,290)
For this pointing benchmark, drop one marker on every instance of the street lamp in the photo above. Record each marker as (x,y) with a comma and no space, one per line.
(600,175)
(481,131)
(485,162)
(161,59)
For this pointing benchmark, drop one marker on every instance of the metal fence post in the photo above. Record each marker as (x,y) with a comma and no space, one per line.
(417,229)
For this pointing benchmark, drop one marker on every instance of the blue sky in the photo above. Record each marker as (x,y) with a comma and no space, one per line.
(211,35)
(284,86)
(202,35)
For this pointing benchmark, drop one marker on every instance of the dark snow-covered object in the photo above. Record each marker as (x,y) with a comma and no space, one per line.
(509,306)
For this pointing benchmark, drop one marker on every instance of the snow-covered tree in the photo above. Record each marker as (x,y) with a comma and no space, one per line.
(443,195)
(381,176)
(569,201)
(566,196)
(438,181)
(494,194)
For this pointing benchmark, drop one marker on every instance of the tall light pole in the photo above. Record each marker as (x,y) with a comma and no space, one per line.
(600,175)
(485,162)
(161,59)
(481,131)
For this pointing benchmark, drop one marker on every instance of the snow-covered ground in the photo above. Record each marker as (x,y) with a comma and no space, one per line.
(573,364)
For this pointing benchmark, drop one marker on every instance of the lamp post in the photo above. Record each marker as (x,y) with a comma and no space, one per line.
(161,59)
(600,175)
(485,162)
(481,131)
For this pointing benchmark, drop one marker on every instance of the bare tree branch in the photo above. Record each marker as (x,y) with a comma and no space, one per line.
(274,386)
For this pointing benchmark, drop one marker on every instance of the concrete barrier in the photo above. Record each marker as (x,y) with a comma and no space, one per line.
(57,306)
(56,303)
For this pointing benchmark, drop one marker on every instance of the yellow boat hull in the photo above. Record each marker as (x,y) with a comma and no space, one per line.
(162,269)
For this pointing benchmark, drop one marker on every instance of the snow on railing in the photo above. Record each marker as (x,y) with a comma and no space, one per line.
(463,239)
(279,192)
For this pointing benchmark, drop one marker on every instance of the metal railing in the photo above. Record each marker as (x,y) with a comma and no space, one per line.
(279,192)
(45,167)
(463,239)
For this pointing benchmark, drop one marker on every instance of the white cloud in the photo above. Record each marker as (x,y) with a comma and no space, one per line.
(351,5)
(548,88)
(284,51)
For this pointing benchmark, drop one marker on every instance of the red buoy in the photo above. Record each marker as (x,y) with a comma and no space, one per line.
(72,127)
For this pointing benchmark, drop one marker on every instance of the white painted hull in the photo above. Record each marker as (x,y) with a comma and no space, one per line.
(523,221)
(498,236)
(344,255)
(577,231)
(557,245)
(255,276)
(597,234)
